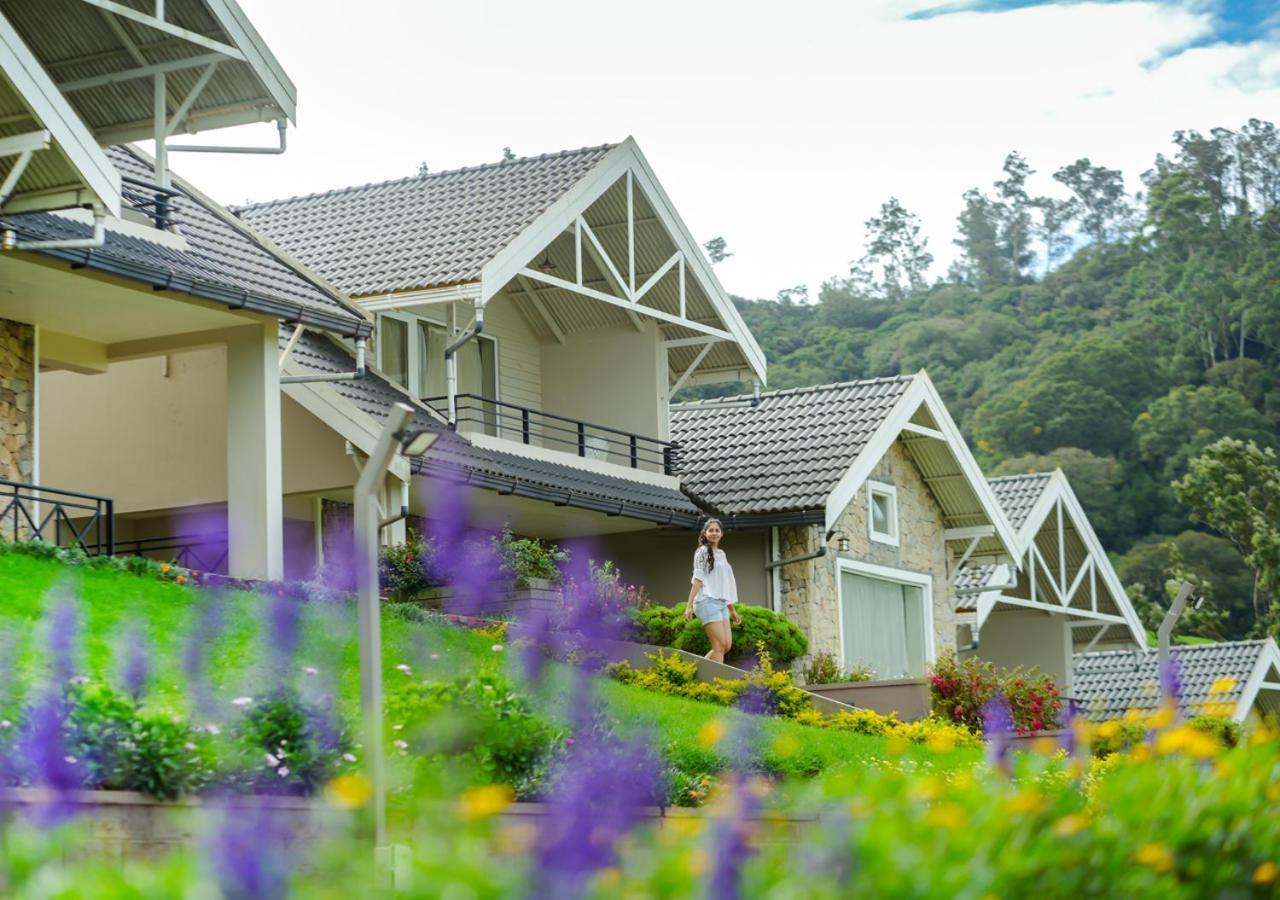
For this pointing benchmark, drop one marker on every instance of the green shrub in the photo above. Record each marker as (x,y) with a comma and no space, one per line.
(1122,735)
(287,745)
(783,641)
(657,625)
(823,669)
(1227,731)
(406,570)
(480,723)
(524,559)
(118,748)
(769,691)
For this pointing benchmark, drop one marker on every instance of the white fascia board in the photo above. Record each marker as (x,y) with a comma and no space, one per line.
(55,115)
(1268,661)
(624,158)
(257,54)
(1060,488)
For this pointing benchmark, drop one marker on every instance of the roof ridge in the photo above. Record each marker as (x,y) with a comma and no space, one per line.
(280,201)
(1178,648)
(795,391)
(1021,475)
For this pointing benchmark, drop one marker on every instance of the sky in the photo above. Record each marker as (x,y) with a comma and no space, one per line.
(781,127)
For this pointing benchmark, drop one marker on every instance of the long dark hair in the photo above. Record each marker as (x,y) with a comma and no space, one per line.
(704,544)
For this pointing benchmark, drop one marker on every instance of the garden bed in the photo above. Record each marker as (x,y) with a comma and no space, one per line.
(906,697)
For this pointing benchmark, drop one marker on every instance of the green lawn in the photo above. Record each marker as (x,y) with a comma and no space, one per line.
(113,603)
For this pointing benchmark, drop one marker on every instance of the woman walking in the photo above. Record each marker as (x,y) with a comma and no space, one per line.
(714,593)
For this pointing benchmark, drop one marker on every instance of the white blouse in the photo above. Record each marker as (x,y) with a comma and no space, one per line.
(719,581)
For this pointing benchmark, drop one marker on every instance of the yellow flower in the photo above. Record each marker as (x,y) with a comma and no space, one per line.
(485,802)
(950,816)
(1163,718)
(1108,729)
(1266,873)
(1069,825)
(1026,802)
(786,745)
(1188,740)
(941,742)
(1157,856)
(895,745)
(711,733)
(1140,753)
(1222,685)
(348,791)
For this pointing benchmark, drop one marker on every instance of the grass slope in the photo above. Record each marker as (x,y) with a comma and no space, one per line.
(240,660)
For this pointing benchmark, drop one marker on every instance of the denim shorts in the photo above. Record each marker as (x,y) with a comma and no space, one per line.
(710,609)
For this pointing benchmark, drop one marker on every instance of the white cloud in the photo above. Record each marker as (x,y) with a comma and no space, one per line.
(781,128)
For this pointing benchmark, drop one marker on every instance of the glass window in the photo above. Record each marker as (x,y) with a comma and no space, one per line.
(883,626)
(478,376)
(393,349)
(431,375)
(884,513)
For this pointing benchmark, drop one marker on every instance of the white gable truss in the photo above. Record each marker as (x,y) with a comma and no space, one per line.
(975,525)
(1263,687)
(1062,568)
(643,263)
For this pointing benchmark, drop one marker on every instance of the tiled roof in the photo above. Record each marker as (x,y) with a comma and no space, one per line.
(454,458)
(785,453)
(1018,494)
(1109,683)
(424,231)
(225,261)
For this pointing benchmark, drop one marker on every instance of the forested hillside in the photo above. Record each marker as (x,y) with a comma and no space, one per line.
(1113,335)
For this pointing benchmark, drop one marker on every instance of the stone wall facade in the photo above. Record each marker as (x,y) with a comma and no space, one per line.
(810,590)
(17,400)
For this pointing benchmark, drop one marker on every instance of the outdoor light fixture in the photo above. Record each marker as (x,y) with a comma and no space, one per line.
(416,443)
(842,543)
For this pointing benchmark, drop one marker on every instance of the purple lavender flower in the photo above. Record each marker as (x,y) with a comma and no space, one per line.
(64,628)
(997,728)
(1170,683)
(136,670)
(47,762)
(249,854)
(204,632)
(1069,742)
(283,615)
(732,845)
(603,788)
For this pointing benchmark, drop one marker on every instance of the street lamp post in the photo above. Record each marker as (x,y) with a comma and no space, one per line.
(393,440)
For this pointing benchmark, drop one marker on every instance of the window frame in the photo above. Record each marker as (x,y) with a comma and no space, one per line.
(413,362)
(880,488)
(894,576)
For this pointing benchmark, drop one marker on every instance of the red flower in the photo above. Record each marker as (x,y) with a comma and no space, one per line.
(1036,724)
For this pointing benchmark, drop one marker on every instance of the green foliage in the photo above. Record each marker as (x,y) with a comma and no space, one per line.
(406,570)
(288,745)
(657,625)
(769,691)
(824,669)
(523,559)
(117,747)
(782,640)
(961,688)
(1207,561)
(478,723)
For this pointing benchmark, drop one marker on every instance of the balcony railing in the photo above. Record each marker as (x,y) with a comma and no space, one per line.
(584,439)
(202,553)
(64,518)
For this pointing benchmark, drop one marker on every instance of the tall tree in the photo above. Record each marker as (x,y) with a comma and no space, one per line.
(1015,207)
(1051,228)
(897,259)
(1103,207)
(980,263)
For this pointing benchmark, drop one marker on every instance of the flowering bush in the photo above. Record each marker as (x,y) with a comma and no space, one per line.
(1123,735)
(289,746)
(406,570)
(75,557)
(523,559)
(762,690)
(961,688)
(823,669)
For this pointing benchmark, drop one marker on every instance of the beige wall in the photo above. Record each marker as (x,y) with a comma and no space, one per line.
(609,377)
(1012,638)
(17,401)
(662,561)
(810,590)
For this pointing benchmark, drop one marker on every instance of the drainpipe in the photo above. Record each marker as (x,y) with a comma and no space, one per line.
(451,362)
(1171,619)
(821,551)
(332,376)
(404,507)
(281,126)
(10,240)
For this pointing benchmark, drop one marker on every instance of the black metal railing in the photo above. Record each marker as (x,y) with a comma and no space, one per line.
(202,553)
(585,439)
(152,200)
(64,518)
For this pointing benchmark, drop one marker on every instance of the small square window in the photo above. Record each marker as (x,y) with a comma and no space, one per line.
(883,512)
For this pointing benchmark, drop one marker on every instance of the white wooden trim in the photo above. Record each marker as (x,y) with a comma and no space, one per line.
(1268,661)
(923,431)
(1005,600)
(258,54)
(54,114)
(631,236)
(921,391)
(689,342)
(540,308)
(887,490)
(679,382)
(150,21)
(600,257)
(653,279)
(965,534)
(623,304)
(469,293)
(1075,585)
(1048,574)
(898,576)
